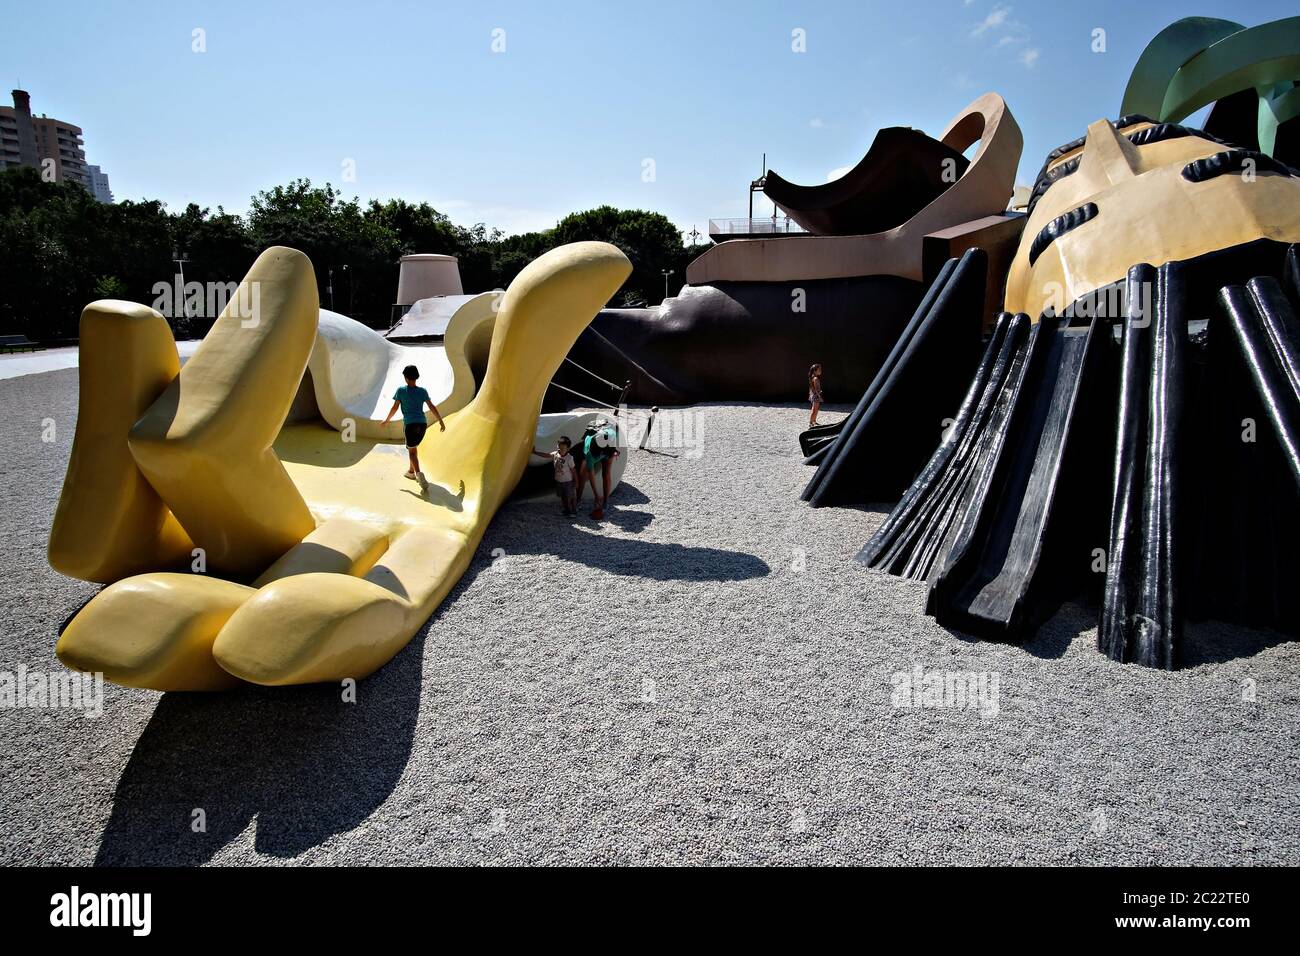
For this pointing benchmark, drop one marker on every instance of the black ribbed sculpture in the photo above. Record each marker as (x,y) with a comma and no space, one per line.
(1130,450)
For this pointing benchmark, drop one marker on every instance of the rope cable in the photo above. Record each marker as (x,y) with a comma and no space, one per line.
(597,402)
(593,374)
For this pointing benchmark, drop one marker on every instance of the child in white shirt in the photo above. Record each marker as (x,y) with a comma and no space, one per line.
(565,473)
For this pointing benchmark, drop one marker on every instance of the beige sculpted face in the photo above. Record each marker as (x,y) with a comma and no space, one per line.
(1143,192)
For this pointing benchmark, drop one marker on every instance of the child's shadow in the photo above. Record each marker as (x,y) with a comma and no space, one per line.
(440,496)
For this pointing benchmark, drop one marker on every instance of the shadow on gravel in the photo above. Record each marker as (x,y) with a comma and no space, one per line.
(580,540)
(1055,636)
(1204,642)
(299,760)
(626,494)
(633,522)
(1214,642)
(644,559)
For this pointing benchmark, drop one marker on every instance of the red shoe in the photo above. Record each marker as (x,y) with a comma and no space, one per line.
(598,513)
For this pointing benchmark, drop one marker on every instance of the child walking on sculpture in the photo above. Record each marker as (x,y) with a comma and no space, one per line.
(815,392)
(411,398)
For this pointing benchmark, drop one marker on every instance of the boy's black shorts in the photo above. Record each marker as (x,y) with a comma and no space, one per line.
(415,433)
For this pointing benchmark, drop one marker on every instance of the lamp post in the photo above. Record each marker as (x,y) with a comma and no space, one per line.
(180,259)
(667,273)
(329,286)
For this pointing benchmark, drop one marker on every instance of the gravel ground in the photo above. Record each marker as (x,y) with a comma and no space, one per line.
(707,677)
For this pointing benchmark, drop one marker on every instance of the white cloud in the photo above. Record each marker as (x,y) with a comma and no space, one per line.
(1029,57)
(817,123)
(836,173)
(996,19)
(1000,25)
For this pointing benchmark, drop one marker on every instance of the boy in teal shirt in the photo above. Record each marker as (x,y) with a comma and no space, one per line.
(411,399)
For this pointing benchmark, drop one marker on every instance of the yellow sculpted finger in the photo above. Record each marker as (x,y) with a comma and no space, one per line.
(327,627)
(339,546)
(110,523)
(205,444)
(155,631)
(542,314)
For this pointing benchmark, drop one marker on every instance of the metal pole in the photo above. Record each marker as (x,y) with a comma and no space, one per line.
(178,257)
(185,300)
(654,410)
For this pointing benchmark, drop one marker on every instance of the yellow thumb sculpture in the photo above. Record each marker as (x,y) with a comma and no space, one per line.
(345,561)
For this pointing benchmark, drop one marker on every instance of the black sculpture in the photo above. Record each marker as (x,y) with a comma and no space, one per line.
(1195,510)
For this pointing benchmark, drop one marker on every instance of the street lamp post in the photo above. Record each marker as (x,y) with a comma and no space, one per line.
(329,286)
(180,259)
(667,273)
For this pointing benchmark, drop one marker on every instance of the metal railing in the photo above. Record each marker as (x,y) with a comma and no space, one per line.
(756,227)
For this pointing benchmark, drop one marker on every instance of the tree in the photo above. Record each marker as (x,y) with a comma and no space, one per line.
(648,239)
(333,233)
(62,249)
(59,243)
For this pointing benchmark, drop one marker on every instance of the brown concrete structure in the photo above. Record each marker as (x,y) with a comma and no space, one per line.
(423,275)
(983,190)
(998,236)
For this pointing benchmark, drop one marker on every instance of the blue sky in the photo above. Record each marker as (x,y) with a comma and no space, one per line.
(566,116)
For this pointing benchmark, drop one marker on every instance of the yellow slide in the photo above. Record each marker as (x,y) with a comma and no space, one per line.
(334,560)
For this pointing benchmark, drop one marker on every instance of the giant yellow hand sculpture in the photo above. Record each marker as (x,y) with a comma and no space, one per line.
(357,562)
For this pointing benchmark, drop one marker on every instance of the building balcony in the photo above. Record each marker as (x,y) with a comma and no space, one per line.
(722,229)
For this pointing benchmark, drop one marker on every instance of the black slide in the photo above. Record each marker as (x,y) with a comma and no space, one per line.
(912,537)
(1242,464)
(1141,617)
(1245,560)
(905,410)
(816,442)
(1023,541)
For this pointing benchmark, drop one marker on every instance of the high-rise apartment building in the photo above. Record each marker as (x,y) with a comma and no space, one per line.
(99,184)
(51,145)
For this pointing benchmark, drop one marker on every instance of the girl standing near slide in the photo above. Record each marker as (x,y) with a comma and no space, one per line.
(814,392)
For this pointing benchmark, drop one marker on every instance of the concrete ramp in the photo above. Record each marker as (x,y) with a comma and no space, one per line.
(429,319)
(355,370)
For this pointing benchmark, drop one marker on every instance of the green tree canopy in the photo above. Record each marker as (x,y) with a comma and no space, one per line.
(62,249)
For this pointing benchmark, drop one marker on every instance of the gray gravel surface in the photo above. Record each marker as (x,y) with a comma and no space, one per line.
(706,677)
